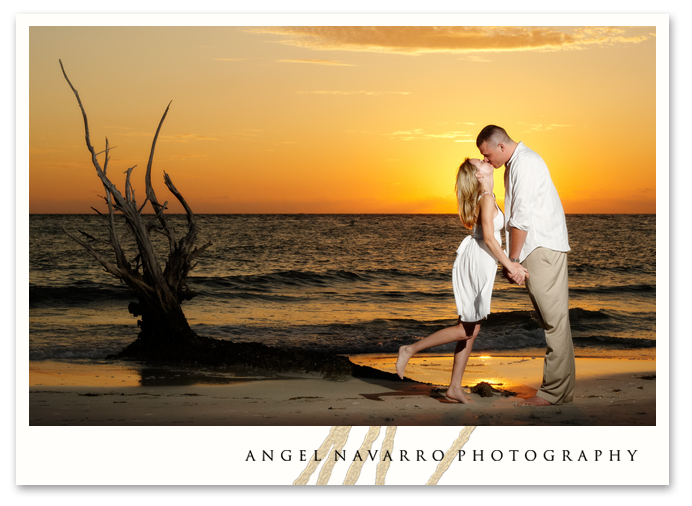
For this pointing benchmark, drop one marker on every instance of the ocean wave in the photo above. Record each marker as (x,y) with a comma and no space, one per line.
(613,342)
(576,315)
(92,353)
(642,288)
(294,278)
(512,330)
(81,293)
(605,269)
(81,341)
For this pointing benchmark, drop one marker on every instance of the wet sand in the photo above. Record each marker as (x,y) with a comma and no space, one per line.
(609,391)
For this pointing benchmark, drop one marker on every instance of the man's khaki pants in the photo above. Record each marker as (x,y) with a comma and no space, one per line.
(549,292)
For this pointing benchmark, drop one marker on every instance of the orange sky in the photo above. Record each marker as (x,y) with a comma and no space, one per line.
(341,119)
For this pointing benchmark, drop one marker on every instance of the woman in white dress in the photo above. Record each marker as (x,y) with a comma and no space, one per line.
(473,273)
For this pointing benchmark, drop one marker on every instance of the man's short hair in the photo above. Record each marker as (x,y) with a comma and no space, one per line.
(494,132)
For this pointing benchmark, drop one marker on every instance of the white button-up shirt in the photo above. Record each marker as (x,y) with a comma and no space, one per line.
(532,203)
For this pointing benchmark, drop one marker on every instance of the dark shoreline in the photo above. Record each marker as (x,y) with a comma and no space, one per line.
(206,351)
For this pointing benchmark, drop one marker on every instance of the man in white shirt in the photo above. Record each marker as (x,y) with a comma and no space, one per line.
(536,234)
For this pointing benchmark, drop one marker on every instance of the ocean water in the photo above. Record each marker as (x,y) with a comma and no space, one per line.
(341,283)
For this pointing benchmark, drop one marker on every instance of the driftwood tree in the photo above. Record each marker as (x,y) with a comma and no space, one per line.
(165,332)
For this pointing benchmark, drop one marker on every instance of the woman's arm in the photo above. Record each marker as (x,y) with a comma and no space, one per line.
(486,218)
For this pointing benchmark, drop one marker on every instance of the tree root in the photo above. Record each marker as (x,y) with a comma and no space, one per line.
(206,351)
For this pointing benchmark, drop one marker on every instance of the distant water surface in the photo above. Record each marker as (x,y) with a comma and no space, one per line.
(341,283)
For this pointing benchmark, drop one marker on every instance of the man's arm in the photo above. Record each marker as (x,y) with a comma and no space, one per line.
(516,243)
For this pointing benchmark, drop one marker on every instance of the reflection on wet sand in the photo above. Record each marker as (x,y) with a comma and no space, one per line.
(499,372)
(120,374)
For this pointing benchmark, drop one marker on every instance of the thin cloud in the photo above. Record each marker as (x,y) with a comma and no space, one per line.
(455,39)
(362,132)
(360,92)
(319,62)
(187,138)
(447,135)
(243,134)
(606,35)
(417,131)
(135,134)
(67,165)
(189,155)
(420,134)
(540,127)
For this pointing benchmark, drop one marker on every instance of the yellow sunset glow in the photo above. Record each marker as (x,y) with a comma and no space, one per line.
(340,119)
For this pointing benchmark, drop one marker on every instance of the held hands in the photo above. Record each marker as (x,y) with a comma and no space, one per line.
(517,275)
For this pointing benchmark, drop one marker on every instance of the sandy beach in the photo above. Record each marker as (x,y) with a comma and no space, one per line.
(610,391)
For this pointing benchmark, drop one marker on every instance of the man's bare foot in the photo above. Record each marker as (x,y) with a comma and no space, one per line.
(535,401)
(457,394)
(403,358)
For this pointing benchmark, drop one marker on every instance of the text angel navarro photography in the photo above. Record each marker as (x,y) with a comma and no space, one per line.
(509,455)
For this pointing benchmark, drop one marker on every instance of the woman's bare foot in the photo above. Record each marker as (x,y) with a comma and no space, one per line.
(457,394)
(403,358)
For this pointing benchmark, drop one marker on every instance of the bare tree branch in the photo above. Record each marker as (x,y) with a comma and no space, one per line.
(106,158)
(186,242)
(198,251)
(110,187)
(88,236)
(101,152)
(86,123)
(151,195)
(102,260)
(150,224)
(119,254)
(146,199)
(129,192)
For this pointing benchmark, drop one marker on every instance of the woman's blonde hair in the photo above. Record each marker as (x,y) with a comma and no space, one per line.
(467,189)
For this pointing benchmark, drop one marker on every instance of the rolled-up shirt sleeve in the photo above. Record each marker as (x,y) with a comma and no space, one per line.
(525,186)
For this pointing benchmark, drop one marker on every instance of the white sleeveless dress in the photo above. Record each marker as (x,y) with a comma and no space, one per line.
(474,272)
